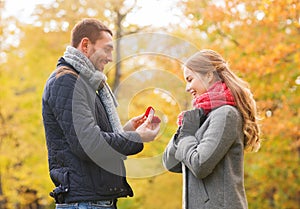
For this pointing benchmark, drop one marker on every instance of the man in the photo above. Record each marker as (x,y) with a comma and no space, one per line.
(86,144)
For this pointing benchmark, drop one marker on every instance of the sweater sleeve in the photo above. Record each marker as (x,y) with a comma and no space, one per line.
(169,160)
(201,156)
(75,113)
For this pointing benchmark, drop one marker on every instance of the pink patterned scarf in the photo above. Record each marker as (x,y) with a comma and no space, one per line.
(217,95)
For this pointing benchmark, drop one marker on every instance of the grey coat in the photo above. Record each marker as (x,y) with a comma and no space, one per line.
(211,162)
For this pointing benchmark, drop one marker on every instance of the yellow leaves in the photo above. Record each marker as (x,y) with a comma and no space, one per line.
(261,40)
(164,191)
(195,6)
(213,13)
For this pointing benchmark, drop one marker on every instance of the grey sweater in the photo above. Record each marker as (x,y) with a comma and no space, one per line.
(211,162)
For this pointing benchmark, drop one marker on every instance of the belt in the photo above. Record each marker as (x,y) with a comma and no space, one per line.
(103,202)
(96,202)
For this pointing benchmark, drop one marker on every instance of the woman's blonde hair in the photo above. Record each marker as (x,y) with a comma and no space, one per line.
(210,61)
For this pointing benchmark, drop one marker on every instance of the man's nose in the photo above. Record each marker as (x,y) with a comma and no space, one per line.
(109,57)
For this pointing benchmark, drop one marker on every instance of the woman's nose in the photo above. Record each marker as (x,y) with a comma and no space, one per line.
(187,88)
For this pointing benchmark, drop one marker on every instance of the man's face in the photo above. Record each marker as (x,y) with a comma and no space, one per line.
(100,53)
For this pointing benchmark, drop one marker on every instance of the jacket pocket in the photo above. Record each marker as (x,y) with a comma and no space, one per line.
(203,192)
(60,178)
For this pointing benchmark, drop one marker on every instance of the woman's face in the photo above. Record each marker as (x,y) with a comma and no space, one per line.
(196,83)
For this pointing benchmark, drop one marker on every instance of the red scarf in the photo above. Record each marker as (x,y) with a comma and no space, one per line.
(217,95)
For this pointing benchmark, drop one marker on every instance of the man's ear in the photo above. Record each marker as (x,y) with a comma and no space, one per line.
(83,46)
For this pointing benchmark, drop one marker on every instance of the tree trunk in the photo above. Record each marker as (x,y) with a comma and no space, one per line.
(118,51)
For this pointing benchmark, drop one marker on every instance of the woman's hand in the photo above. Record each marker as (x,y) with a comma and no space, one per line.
(192,120)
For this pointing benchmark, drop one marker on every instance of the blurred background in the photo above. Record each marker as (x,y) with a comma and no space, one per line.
(259,38)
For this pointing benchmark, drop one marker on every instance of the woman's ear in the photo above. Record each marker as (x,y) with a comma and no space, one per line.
(210,77)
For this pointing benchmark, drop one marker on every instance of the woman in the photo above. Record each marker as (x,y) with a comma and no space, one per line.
(209,145)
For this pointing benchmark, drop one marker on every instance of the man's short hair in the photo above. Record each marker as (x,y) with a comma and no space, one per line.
(90,28)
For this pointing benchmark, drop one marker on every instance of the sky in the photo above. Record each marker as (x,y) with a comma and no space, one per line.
(21,8)
(152,12)
(155,12)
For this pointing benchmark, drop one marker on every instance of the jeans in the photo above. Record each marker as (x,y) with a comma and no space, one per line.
(88,205)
